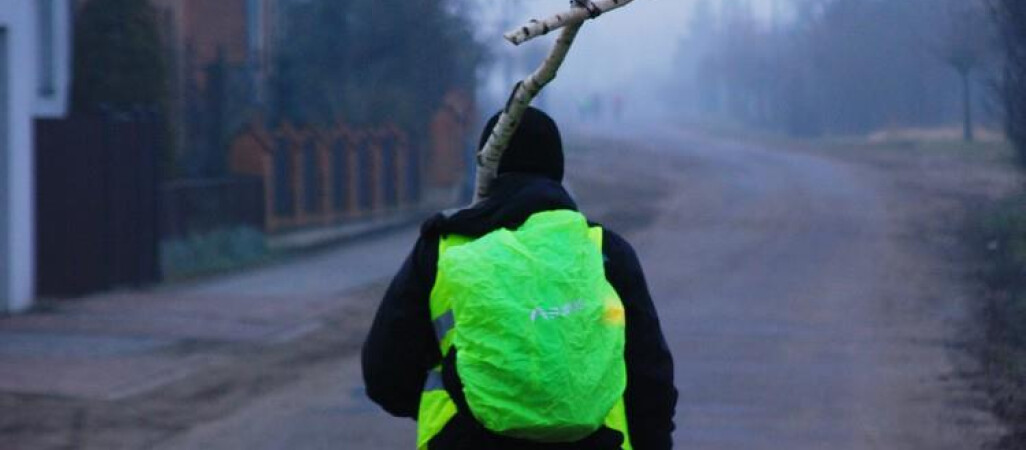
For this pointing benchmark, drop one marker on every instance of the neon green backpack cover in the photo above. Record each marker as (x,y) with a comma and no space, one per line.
(539,330)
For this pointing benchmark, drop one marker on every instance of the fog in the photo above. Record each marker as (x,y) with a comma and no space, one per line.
(805,67)
(630,45)
(629,52)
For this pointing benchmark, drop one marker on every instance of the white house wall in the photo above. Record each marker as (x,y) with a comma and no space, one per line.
(4,144)
(18,18)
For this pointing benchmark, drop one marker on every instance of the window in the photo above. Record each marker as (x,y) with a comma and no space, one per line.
(47,73)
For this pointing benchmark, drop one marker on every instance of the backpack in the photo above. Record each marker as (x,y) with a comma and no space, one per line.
(538,328)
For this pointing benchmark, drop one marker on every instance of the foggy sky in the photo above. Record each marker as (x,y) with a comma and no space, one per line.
(626,49)
(638,40)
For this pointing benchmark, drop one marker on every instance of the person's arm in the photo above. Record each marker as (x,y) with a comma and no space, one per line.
(651,397)
(401,347)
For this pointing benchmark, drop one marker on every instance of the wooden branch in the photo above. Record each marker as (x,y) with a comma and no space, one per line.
(523,93)
(576,15)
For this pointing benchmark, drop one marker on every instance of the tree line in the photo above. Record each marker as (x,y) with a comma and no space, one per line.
(368,61)
(359,61)
(839,66)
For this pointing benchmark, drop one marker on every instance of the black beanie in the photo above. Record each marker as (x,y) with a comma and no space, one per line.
(536,147)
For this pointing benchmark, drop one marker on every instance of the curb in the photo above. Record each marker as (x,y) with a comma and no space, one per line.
(311,239)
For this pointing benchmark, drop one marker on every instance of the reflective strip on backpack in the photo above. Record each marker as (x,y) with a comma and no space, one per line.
(595,234)
(436,409)
(444,326)
(617,420)
(434,382)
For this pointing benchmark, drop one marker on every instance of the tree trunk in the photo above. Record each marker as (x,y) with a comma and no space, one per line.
(967,105)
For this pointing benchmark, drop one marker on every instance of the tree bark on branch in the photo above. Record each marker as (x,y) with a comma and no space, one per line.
(588,10)
(525,91)
(523,94)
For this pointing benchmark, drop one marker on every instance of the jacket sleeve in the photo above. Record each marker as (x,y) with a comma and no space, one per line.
(401,347)
(651,397)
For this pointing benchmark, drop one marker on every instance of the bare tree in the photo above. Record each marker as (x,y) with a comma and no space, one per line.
(963,46)
(843,67)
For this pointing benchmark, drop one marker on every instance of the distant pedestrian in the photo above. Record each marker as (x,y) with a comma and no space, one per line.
(598,106)
(517,324)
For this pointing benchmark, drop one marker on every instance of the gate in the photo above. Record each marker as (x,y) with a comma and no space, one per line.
(96,203)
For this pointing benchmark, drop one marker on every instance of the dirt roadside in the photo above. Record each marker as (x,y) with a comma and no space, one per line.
(943,193)
(247,372)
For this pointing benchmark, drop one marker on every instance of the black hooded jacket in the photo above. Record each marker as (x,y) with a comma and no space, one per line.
(401,347)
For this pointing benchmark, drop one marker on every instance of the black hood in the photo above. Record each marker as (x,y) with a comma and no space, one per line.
(514,198)
(536,146)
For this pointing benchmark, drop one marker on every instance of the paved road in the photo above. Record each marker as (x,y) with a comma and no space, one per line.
(789,301)
(793,305)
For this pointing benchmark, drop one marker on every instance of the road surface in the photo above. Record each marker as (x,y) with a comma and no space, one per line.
(801,311)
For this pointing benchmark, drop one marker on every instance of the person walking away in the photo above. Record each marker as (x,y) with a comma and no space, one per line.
(517,324)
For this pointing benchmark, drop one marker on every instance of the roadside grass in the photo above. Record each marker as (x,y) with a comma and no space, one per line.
(211,253)
(1003,234)
(999,152)
(992,148)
